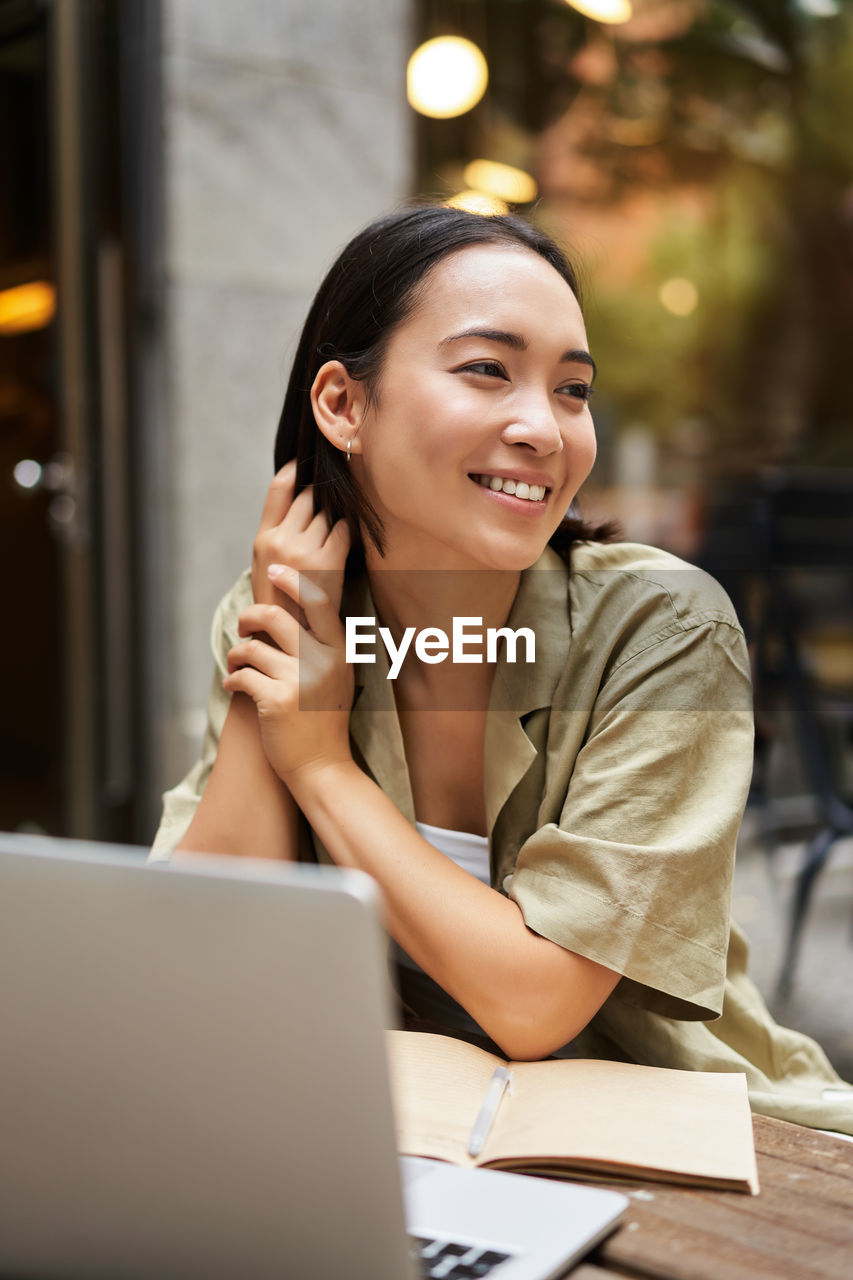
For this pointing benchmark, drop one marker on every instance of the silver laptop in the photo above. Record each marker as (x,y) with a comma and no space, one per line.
(193,1083)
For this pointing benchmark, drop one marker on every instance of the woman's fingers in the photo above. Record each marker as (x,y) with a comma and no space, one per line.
(279,496)
(307,672)
(317,605)
(292,533)
(317,532)
(276,622)
(280,505)
(248,680)
(338,543)
(301,513)
(331,562)
(263,657)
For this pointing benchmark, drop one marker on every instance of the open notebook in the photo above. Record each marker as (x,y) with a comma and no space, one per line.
(194,1082)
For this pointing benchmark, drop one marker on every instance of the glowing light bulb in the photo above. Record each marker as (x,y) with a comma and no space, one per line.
(501,180)
(612,11)
(27,473)
(679,296)
(27,306)
(446,77)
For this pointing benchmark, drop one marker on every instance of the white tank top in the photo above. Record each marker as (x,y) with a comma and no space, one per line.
(468,851)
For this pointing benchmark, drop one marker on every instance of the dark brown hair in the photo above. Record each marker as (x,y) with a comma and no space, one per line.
(370,289)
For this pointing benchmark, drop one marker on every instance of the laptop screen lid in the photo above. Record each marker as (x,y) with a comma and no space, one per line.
(173,1098)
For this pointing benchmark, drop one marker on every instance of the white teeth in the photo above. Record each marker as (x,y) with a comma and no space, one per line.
(532,492)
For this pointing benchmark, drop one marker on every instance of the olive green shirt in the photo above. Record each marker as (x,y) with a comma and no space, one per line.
(616,770)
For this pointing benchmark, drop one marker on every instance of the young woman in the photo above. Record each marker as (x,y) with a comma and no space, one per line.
(553,832)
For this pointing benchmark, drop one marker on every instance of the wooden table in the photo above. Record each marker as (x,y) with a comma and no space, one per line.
(799,1227)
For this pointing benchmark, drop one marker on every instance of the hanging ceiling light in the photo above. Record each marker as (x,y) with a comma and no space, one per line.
(501,180)
(604,10)
(446,77)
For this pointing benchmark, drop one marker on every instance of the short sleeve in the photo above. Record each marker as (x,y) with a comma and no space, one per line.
(180,804)
(634,870)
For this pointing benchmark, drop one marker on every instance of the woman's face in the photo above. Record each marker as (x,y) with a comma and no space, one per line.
(481,432)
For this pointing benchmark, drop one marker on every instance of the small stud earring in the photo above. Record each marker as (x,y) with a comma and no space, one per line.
(349,449)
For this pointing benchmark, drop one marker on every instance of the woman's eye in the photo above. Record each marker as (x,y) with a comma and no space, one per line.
(490,368)
(577,390)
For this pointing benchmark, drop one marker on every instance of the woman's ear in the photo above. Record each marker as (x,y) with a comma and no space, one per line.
(339,402)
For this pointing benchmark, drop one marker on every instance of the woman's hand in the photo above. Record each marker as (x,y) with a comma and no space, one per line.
(292,662)
(245,810)
(297,676)
(291,534)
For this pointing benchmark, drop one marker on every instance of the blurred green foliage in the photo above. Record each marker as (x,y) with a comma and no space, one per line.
(745,107)
(758,115)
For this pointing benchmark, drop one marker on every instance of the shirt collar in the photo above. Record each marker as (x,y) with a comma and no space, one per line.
(519,688)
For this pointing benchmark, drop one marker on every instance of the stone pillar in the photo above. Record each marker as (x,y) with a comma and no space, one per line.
(286,129)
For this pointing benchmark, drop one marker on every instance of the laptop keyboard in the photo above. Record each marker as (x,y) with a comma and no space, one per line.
(454,1260)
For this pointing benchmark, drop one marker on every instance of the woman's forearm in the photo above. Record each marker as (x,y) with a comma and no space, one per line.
(245,810)
(529,994)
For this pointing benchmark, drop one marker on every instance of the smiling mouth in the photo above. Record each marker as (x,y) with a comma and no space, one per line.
(518,488)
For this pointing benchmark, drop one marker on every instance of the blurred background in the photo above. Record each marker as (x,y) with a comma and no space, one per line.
(176,176)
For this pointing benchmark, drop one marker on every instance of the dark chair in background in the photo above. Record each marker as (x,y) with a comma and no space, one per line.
(733,552)
(782,546)
(806,527)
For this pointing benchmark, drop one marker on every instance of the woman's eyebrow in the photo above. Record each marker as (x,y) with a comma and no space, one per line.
(579,357)
(517,343)
(512,340)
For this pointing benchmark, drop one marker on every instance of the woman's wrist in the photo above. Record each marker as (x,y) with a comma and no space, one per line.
(317,782)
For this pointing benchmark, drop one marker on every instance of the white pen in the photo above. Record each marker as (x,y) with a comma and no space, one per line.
(498,1083)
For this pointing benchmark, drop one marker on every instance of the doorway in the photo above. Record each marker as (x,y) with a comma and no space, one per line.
(73,270)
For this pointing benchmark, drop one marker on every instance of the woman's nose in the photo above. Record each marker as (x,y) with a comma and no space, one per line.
(537,427)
